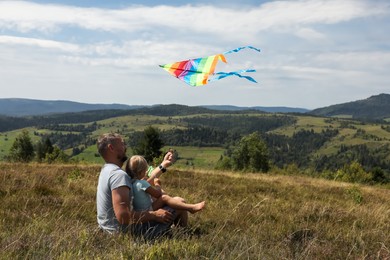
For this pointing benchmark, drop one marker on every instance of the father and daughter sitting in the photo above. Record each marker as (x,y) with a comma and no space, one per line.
(147,191)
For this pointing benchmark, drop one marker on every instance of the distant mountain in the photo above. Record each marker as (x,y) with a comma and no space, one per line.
(19,107)
(27,107)
(373,108)
(264,109)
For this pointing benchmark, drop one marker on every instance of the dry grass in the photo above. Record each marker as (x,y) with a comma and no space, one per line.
(48,211)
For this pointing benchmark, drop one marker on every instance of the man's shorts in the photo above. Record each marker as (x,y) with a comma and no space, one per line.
(152,230)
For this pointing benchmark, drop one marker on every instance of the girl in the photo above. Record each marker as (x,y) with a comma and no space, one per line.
(143,190)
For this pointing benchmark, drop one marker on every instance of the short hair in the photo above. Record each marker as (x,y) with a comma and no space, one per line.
(136,166)
(104,140)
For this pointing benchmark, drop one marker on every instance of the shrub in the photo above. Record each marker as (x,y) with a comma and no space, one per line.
(353,172)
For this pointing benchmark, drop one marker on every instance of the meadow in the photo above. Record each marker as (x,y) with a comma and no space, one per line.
(49,212)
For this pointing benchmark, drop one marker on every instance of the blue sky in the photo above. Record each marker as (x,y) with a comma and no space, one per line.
(314,53)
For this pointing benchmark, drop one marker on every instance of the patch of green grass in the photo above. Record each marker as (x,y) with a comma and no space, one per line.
(343,116)
(133,123)
(90,155)
(317,124)
(197,157)
(355,194)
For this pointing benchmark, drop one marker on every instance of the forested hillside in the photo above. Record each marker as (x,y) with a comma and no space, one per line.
(375,108)
(10,123)
(314,144)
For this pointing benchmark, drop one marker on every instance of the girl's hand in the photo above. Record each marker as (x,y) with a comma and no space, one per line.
(167,160)
(157,182)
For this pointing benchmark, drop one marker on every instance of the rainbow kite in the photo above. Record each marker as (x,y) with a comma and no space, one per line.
(197,72)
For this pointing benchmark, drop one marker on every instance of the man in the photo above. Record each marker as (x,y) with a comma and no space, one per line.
(114,195)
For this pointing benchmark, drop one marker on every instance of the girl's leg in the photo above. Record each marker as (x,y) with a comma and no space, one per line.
(180,204)
(158,203)
(181,214)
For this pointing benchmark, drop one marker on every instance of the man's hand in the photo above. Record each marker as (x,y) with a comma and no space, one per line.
(162,216)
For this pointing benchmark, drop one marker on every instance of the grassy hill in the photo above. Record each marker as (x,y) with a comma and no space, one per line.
(264,109)
(49,212)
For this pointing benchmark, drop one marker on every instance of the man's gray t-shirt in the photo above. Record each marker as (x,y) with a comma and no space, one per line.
(111,177)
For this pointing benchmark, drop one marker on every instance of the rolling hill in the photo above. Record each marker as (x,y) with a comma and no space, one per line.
(371,109)
(28,107)
(19,107)
(374,108)
(264,109)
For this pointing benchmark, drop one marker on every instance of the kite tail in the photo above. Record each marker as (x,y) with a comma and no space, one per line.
(240,48)
(221,75)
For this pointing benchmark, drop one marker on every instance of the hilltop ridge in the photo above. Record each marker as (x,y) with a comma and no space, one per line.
(20,107)
(376,107)
(29,107)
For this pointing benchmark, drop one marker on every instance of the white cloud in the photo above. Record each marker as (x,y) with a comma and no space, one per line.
(26,16)
(319,11)
(125,54)
(4,39)
(310,34)
(374,60)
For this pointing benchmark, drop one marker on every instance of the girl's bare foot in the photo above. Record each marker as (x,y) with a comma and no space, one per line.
(197,207)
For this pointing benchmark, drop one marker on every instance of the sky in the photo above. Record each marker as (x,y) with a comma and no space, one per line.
(314,53)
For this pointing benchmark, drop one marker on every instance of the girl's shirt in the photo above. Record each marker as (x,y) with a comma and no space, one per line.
(141,199)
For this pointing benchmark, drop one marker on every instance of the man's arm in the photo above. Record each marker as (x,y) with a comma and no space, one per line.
(121,204)
(124,215)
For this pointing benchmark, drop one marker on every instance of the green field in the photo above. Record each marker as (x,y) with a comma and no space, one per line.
(197,158)
(8,138)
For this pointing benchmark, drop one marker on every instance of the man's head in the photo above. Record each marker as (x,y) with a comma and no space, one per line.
(112,148)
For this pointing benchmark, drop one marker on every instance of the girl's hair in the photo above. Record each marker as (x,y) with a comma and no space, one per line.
(136,167)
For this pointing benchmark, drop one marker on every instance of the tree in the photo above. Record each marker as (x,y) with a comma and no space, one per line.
(223,163)
(150,144)
(378,175)
(251,154)
(57,155)
(44,147)
(22,149)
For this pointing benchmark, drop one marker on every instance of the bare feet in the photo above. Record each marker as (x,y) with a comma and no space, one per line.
(197,207)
